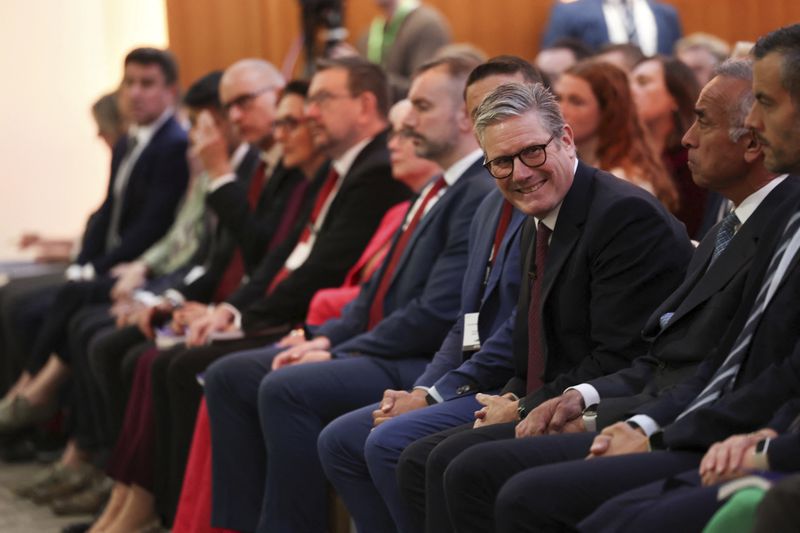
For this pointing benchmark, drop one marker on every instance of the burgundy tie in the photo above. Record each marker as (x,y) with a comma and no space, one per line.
(535,348)
(234,272)
(376,309)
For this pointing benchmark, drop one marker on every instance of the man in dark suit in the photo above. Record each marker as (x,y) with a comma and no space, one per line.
(149,173)
(359,460)
(753,371)
(582,315)
(653,26)
(383,339)
(347,115)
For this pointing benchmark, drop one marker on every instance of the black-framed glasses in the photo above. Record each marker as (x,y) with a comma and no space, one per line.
(532,156)
(243,100)
(288,122)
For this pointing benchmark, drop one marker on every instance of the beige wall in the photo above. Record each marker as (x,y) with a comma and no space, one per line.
(56,58)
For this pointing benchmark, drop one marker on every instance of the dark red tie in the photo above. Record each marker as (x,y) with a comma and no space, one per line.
(235,270)
(322,197)
(535,348)
(376,309)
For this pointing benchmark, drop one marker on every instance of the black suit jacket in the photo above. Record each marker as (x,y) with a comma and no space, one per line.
(615,254)
(222,243)
(703,307)
(157,182)
(769,376)
(252,229)
(367,191)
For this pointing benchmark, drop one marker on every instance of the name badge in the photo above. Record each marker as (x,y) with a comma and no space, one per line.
(472,339)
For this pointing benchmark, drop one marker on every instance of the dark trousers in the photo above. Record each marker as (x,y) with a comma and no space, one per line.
(23,306)
(90,421)
(292,406)
(176,397)
(112,358)
(70,298)
(360,460)
(677,503)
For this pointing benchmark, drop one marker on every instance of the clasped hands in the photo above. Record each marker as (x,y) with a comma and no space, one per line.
(732,458)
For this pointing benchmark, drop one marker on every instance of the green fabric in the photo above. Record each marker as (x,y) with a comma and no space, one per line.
(184,236)
(738,515)
(382,35)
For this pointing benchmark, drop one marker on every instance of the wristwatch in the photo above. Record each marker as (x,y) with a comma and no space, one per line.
(760,458)
(590,418)
(522,412)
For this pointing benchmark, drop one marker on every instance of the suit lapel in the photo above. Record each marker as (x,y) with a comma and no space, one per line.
(517,218)
(568,228)
(434,213)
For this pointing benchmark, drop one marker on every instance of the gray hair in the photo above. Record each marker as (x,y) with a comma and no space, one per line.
(738,69)
(515,99)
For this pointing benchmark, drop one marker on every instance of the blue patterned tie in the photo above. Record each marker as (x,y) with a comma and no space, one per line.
(726,231)
(723,379)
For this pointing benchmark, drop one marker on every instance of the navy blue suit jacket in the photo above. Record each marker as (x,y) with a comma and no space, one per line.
(452,371)
(157,182)
(424,297)
(584,20)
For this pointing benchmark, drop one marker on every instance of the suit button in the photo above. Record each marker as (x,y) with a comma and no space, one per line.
(463,389)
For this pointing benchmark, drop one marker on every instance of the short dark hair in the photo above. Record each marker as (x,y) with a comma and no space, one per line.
(297,87)
(507,64)
(362,77)
(578,48)
(153,56)
(785,41)
(204,92)
(458,65)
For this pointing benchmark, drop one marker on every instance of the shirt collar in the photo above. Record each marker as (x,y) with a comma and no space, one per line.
(271,156)
(551,218)
(751,203)
(458,168)
(342,164)
(238,154)
(144,133)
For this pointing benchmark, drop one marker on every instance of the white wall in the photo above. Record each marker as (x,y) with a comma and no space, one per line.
(56,58)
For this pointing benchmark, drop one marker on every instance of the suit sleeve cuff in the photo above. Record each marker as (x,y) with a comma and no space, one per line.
(648,425)
(589,393)
(220,181)
(237,315)
(432,391)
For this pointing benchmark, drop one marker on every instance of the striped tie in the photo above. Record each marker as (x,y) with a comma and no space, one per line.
(725,375)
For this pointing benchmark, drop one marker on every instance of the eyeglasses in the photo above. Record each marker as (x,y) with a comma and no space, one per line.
(532,156)
(401,134)
(244,100)
(288,122)
(323,97)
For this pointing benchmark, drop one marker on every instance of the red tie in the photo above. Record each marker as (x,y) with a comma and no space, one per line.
(535,348)
(502,226)
(322,197)
(376,309)
(235,270)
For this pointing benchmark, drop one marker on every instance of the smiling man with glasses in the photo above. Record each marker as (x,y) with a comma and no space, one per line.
(598,256)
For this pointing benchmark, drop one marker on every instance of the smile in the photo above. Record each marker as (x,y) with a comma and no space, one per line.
(531,189)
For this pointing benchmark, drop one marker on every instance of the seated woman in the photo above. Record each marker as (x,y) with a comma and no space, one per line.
(596,101)
(194,509)
(665,91)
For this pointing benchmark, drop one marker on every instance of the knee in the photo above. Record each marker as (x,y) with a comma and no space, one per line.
(333,444)
(464,471)
(216,378)
(384,445)
(411,466)
(272,392)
